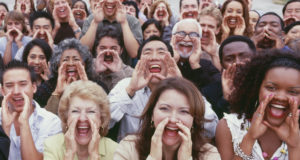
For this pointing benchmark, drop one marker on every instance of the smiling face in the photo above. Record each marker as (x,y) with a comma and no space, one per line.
(61,9)
(185,44)
(283,83)
(42,25)
(175,106)
(16,81)
(155,52)
(189,9)
(130,10)
(71,56)
(253,18)
(83,110)
(161,11)
(79,13)
(110,8)
(233,10)
(35,59)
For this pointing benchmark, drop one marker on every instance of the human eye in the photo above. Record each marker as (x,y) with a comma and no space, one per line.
(294,92)
(185,111)
(270,87)
(194,35)
(91,111)
(74,111)
(163,108)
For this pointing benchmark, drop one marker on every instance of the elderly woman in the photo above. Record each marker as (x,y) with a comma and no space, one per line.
(84,112)
(71,61)
(172,126)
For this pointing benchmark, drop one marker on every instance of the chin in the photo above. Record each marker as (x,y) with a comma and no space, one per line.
(83,141)
(171,142)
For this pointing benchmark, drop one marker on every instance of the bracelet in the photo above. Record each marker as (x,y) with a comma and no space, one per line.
(77,30)
(238,152)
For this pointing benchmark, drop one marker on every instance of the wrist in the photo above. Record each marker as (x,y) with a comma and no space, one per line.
(130,91)
(195,65)
(123,23)
(56,93)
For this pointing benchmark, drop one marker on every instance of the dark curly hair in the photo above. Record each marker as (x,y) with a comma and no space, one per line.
(248,78)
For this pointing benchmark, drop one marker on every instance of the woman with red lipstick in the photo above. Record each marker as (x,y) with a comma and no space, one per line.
(85,116)
(265,119)
(235,20)
(172,126)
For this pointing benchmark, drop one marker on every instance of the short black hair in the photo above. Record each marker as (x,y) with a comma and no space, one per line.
(236,38)
(108,31)
(289,27)
(274,14)
(287,3)
(132,3)
(15,64)
(41,14)
(4,5)
(180,4)
(154,38)
(40,43)
(152,21)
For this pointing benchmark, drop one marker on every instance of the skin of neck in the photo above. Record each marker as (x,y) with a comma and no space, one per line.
(82,151)
(170,152)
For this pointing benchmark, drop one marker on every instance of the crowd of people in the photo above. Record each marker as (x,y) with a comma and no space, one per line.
(129,80)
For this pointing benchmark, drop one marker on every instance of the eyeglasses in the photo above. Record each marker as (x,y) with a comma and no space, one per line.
(182,34)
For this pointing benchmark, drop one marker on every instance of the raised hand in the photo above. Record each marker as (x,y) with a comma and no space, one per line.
(212,47)
(98,12)
(71,146)
(93,147)
(176,55)
(81,71)
(156,140)
(46,72)
(227,80)
(278,39)
(225,28)
(258,127)
(165,19)
(11,34)
(121,13)
(257,37)
(99,64)
(56,20)
(25,114)
(240,27)
(185,149)
(8,116)
(194,59)
(116,64)
(50,40)
(173,70)
(19,36)
(79,13)
(145,8)
(62,80)
(288,131)
(140,77)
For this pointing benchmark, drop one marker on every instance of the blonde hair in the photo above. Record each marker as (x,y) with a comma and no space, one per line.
(87,90)
(51,4)
(213,12)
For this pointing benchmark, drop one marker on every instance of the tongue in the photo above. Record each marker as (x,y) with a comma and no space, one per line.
(276,112)
(155,70)
(70,74)
(171,133)
(82,131)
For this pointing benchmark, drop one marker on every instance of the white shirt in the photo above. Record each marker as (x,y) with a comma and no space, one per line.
(42,125)
(127,110)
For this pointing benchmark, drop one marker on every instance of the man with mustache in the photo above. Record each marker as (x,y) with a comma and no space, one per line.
(112,12)
(129,97)
(22,118)
(109,65)
(14,39)
(291,12)
(269,32)
(41,24)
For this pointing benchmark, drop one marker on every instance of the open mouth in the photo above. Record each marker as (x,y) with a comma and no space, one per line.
(83,129)
(205,5)
(232,21)
(14,33)
(43,37)
(161,14)
(78,14)
(154,68)
(171,131)
(110,7)
(19,101)
(189,15)
(72,72)
(185,48)
(289,21)
(37,69)
(277,110)
(108,58)
(23,7)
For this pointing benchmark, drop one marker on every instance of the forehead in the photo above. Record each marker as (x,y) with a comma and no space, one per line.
(79,3)
(235,48)
(189,2)
(155,45)
(70,52)
(78,101)
(161,4)
(289,76)
(269,18)
(15,75)
(42,21)
(108,41)
(293,5)
(207,19)
(192,27)
(297,27)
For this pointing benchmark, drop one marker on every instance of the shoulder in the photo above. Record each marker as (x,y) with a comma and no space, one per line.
(55,141)
(211,152)
(122,83)
(109,144)
(46,114)
(126,148)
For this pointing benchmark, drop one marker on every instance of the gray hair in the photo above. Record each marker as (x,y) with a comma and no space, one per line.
(83,52)
(187,20)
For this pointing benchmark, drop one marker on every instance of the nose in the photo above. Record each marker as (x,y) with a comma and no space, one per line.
(173,117)
(16,89)
(280,96)
(204,28)
(42,31)
(83,117)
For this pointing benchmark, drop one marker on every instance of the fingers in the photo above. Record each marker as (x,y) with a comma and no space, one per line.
(294,111)
(262,106)
(72,125)
(81,71)
(184,132)
(62,69)
(5,101)
(160,129)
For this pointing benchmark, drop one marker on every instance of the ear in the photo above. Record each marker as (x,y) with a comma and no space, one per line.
(2,90)
(34,87)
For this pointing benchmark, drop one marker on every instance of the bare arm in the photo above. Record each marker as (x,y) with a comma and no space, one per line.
(90,36)
(131,44)
(223,140)
(7,53)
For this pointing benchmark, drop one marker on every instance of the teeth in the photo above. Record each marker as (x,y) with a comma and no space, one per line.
(83,127)
(155,66)
(278,106)
(171,128)
(186,44)
(62,10)
(18,99)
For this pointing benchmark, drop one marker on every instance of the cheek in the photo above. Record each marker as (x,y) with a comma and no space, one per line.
(187,121)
